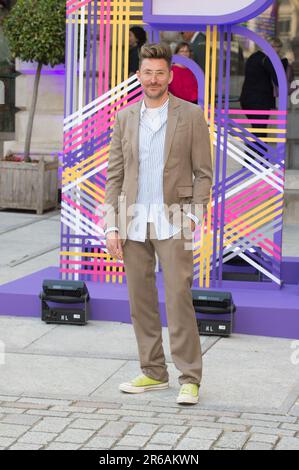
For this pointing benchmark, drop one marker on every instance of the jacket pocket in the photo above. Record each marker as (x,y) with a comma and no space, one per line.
(185,191)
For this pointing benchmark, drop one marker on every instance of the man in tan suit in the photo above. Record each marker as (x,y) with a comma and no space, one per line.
(158,181)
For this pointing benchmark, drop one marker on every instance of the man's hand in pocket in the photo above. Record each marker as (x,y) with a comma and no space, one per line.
(114,246)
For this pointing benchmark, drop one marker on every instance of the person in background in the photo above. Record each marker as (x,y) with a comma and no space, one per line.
(278,47)
(198,45)
(184,84)
(172,38)
(137,39)
(260,87)
(258,91)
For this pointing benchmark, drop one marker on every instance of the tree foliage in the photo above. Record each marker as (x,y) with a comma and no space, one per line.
(35,30)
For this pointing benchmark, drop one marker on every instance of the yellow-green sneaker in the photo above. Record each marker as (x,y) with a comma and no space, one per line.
(142,384)
(188,394)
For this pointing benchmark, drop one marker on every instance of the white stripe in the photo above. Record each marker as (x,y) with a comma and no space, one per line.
(82,218)
(101,106)
(252,161)
(84,177)
(111,95)
(261,174)
(81,66)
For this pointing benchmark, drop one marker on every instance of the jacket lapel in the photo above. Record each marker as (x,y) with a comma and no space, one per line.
(134,129)
(173,114)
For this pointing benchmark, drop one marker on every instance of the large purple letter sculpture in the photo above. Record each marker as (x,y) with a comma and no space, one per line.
(245,212)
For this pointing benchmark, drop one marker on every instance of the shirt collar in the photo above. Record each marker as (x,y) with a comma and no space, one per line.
(194,37)
(161,108)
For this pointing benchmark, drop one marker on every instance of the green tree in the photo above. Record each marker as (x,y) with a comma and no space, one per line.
(35,30)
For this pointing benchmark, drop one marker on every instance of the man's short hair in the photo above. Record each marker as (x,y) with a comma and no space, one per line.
(156,51)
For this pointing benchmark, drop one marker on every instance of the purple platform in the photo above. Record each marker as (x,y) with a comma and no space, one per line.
(262,309)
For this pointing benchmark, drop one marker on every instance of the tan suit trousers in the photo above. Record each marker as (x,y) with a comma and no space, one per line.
(177,267)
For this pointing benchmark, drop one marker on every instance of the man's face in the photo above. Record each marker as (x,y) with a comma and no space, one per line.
(132,39)
(188,35)
(155,77)
(184,51)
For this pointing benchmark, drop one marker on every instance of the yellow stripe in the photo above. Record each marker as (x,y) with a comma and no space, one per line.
(209,246)
(127,33)
(259,130)
(114,48)
(244,226)
(120,42)
(260,223)
(252,228)
(112,22)
(78,174)
(246,220)
(95,156)
(207,74)
(206,113)
(252,212)
(228,241)
(90,192)
(90,255)
(94,187)
(264,139)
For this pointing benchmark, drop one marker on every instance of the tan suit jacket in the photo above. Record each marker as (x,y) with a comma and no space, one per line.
(187,176)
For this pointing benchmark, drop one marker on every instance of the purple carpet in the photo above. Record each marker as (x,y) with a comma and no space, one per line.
(262,309)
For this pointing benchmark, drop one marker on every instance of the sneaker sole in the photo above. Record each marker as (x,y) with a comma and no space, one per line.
(187,400)
(128,388)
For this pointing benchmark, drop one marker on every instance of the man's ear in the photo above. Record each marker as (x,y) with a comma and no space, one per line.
(170,77)
(138,74)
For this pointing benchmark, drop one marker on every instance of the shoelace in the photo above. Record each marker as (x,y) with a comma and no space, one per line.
(186,390)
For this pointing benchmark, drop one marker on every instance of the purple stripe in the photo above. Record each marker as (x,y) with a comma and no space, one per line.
(88,55)
(72,67)
(94,52)
(224,162)
(239,16)
(218,156)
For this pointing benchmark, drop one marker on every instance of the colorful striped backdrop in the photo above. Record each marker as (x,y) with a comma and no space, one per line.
(246,206)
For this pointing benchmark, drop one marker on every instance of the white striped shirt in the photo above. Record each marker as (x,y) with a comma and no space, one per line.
(149,202)
(149,205)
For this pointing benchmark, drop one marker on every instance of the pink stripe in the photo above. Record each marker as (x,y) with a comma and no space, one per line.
(260,121)
(81,209)
(88,126)
(79,5)
(277,256)
(85,271)
(82,263)
(91,263)
(94,118)
(231,215)
(254,111)
(107,52)
(101,50)
(242,208)
(242,233)
(254,203)
(267,240)
(257,190)
(100,130)
(70,3)
(241,195)
(271,243)
(107,109)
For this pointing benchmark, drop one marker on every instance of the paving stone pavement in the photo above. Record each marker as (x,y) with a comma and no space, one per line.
(249,401)
(32,423)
